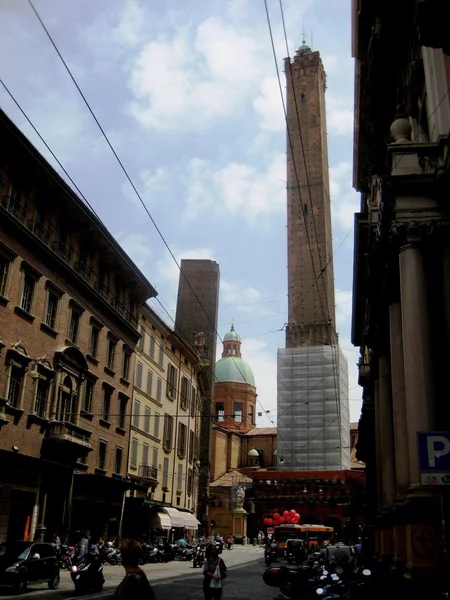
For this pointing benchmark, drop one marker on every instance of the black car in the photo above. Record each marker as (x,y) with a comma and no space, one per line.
(28,562)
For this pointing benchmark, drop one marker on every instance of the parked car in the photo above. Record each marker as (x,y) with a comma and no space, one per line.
(22,563)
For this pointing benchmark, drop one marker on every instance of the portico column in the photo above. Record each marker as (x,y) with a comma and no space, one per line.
(424,539)
(378,459)
(384,408)
(400,431)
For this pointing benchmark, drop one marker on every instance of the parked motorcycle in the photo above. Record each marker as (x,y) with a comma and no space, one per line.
(66,556)
(199,556)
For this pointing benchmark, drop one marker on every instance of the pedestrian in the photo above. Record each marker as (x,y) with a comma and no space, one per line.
(135,585)
(83,549)
(214,572)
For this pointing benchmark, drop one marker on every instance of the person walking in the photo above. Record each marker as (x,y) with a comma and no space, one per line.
(214,572)
(135,585)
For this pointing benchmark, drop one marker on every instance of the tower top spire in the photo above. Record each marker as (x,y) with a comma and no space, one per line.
(304,48)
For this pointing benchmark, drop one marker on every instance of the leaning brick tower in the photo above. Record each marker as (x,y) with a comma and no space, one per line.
(312,399)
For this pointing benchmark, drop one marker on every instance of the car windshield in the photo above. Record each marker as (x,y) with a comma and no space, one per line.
(17,551)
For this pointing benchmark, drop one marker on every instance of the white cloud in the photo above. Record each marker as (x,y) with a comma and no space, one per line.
(344,200)
(236,188)
(339,115)
(233,292)
(269,107)
(186,84)
(130,25)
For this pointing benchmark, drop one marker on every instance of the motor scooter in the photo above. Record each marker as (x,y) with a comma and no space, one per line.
(88,576)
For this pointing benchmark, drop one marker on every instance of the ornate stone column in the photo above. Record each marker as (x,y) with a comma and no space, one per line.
(424,539)
(385,420)
(400,432)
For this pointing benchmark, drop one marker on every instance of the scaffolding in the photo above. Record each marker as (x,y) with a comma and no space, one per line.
(313,409)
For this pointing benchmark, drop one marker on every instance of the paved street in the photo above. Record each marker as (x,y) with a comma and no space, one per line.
(174,580)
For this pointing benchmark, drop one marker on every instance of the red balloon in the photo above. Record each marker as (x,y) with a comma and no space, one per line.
(269,521)
(292,513)
(289,519)
(295,520)
(276,516)
(286,513)
(297,515)
(282,519)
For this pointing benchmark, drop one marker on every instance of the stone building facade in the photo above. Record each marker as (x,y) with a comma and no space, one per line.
(69,299)
(402,272)
(165,429)
(196,320)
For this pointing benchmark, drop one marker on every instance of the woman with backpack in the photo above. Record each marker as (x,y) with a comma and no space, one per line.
(214,572)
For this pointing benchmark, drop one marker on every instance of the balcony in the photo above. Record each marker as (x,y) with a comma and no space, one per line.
(69,433)
(363,373)
(147,472)
(66,253)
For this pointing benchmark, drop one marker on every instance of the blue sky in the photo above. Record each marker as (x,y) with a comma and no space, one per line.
(187,92)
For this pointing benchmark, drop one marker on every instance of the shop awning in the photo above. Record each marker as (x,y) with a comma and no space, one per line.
(175,516)
(160,520)
(190,522)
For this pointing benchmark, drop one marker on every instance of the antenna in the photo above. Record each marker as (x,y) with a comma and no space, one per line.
(312,45)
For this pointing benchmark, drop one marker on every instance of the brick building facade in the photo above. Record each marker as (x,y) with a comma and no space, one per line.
(68,326)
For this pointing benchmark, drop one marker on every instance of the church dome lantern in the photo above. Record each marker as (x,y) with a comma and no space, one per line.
(231,367)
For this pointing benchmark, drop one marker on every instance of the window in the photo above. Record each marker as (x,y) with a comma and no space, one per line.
(93,340)
(182,431)
(156,426)
(172,381)
(126,359)
(190,482)
(185,392)
(42,390)
(16,377)
(193,397)
(74,326)
(237,412)
(251,414)
(180,477)
(134,452)
(136,413)
(168,432)
(145,454)
(303,98)
(152,347)
(147,419)
(142,339)
(111,353)
(4,271)
(220,412)
(122,412)
(149,382)
(118,460)
(159,390)
(166,473)
(26,298)
(161,355)
(88,394)
(51,309)
(191,445)
(101,463)
(155,457)
(106,405)
(138,381)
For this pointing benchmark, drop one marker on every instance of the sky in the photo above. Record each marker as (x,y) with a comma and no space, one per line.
(187,93)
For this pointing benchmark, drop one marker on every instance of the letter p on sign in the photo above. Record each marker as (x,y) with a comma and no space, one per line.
(437,446)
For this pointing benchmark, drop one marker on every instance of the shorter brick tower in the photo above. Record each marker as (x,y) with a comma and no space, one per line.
(235,391)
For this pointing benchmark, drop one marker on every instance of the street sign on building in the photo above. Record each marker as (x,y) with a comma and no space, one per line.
(433,449)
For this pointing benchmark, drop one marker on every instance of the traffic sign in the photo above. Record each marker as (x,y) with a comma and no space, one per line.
(433,449)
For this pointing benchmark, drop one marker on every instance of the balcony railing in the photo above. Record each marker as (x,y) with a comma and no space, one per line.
(68,432)
(363,373)
(148,472)
(20,211)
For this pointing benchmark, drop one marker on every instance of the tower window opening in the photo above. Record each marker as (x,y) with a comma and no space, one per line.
(303,98)
(305,209)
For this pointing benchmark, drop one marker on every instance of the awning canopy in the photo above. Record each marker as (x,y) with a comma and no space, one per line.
(190,522)
(175,516)
(160,520)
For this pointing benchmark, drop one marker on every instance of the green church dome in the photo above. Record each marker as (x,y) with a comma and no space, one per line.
(253,453)
(232,335)
(232,368)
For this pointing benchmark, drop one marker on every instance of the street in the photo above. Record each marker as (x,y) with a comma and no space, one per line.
(174,580)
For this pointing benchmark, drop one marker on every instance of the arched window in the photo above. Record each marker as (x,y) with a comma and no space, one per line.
(303,98)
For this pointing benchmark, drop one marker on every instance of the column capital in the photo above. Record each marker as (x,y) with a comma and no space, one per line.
(412,233)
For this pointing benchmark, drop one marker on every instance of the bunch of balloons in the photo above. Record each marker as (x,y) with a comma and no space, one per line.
(289,516)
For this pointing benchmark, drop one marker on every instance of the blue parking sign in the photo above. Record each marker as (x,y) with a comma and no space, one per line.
(434,450)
